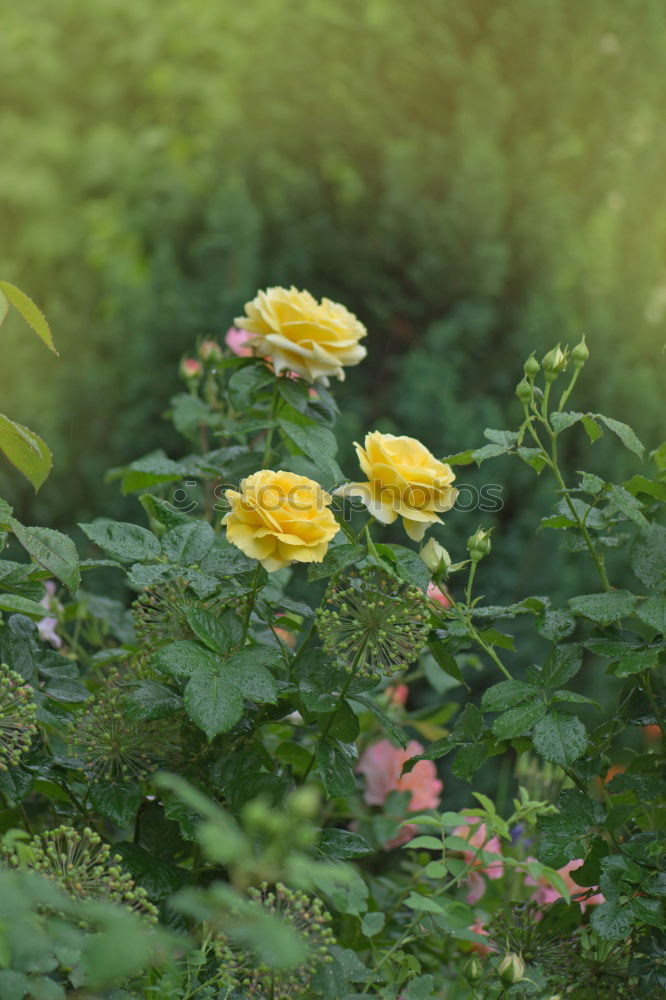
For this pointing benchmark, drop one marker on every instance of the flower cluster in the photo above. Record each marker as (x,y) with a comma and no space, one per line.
(17,717)
(302,914)
(372,623)
(82,864)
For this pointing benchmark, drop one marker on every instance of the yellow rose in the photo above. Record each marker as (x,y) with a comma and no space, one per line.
(404,480)
(280,518)
(315,339)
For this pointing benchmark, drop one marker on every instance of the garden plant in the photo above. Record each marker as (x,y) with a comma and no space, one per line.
(232,783)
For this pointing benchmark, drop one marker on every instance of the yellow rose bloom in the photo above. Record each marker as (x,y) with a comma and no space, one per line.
(280,518)
(315,339)
(404,480)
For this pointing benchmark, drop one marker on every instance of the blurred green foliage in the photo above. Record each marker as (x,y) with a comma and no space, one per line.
(474,180)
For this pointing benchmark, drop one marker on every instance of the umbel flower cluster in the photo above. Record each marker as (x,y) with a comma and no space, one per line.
(302,914)
(17,717)
(372,623)
(83,866)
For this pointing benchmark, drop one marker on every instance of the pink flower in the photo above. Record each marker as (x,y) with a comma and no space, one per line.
(547,893)
(382,765)
(478,928)
(474,833)
(209,349)
(397,694)
(236,341)
(437,595)
(47,626)
(190,368)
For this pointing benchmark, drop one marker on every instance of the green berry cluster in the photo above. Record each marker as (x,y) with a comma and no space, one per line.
(111,747)
(373,622)
(160,613)
(303,914)
(18,714)
(83,866)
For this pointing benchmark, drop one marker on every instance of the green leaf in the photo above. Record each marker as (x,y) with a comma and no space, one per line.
(187,544)
(317,443)
(468,760)
(574,698)
(52,550)
(560,738)
(389,727)
(409,565)
(29,311)
(469,725)
(562,664)
(625,434)
(591,483)
(611,921)
(460,458)
(445,659)
(561,421)
(182,659)
(122,541)
(21,605)
(67,689)
(517,721)
(220,633)
(592,429)
(505,695)
(634,661)
(246,383)
(372,923)
(555,624)
(343,844)
(151,700)
(604,609)
(335,560)
(294,392)
(117,801)
(648,557)
(245,671)
(214,705)
(336,766)
(626,504)
(25,450)
(653,613)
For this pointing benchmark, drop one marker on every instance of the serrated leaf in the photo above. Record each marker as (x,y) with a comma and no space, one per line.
(343,844)
(468,760)
(560,738)
(626,504)
(653,613)
(52,550)
(469,725)
(408,564)
(25,450)
(318,443)
(29,311)
(592,429)
(387,724)
(519,720)
(213,704)
(220,633)
(336,766)
(246,383)
(20,605)
(562,664)
(648,557)
(611,921)
(372,923)
(187,544)
(122,540)
(561,421)
(182,659)
(505,695)
(151,700)
(604,609)
(634,661)
(335,560)
(246,671)
(117,801)
(626,435)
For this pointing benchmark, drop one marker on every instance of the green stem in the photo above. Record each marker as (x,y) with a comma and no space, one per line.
(341,697)
(567,392)
(250,603)
(268,445)
(474,635)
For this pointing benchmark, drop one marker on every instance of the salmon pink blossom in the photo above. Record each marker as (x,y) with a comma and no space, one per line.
(547,893)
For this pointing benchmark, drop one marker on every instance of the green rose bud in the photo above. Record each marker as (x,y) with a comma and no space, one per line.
(512,969)
(435,556)
(580,353)
(304,802)
(524,391)
(473,970)
(531,367)
(478,545)
(554,362)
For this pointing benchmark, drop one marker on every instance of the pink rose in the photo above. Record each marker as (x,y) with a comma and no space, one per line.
(382,764)
(190,368)
(397,695)
(478,928)
(547,893)
(437,595)
(236,341)
(474,833)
